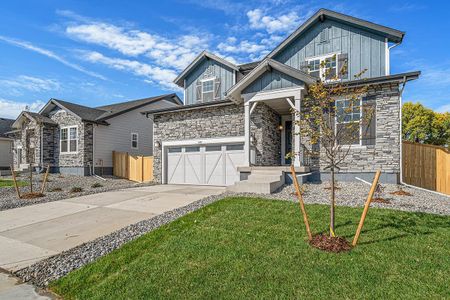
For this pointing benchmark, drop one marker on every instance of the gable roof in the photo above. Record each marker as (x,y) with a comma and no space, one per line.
(204,54)
(265,65)
(393,35)
(32,116)
(120,108)
(102,113)
(5,126)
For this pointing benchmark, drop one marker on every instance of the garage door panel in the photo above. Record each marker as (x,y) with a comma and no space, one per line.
(214,168)
(193,168)
(233,160)
(175,168)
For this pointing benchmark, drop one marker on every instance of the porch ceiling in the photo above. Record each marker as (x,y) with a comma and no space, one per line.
(281,106)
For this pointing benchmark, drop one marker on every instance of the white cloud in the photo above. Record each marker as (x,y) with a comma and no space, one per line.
(175,53)
(11,109)
(16,85)
(282,23)
(153,74)
(443,108)
(50,54)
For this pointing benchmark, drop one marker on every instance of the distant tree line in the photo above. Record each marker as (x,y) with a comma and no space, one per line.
(423,125)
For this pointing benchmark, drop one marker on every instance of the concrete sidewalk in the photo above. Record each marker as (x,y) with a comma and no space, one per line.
(32,233)
(12,288)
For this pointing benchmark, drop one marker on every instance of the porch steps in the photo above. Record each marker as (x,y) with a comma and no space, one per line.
(264,181)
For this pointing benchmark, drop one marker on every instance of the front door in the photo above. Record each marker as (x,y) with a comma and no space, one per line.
(288,140)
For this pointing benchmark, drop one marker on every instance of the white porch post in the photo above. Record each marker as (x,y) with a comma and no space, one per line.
(298,157)
(247,134)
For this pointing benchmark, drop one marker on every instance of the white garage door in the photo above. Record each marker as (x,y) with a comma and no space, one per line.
(205,164)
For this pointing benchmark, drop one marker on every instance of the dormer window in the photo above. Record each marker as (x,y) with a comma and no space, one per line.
(208,89)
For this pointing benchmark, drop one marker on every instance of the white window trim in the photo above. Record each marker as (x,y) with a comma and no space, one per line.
(213,79)
(360,145)
(68,139)
(322,70)
(137,140)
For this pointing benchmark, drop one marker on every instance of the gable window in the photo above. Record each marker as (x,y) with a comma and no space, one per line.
(68,139)
(134,140)
(208,90)
(324,67)
(348,125)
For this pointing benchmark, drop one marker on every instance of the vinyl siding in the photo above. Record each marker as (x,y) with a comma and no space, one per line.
(218,70)
(365,49)
(6,156)
(272,80)
(117,136)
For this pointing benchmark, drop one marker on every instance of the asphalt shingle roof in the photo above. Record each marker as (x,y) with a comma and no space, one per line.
(5,126)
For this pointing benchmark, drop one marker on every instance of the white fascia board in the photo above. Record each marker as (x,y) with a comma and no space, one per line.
(223,140)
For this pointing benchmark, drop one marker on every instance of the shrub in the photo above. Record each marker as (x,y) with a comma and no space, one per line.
(56,189)
(96,185)
(76,189)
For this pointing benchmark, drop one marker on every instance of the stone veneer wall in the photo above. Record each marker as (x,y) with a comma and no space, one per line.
(385,154)
(216,122)
(30,130)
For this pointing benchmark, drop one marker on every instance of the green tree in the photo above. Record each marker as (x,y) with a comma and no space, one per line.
(423,125)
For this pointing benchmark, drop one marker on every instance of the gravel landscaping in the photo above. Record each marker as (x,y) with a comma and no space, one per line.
(60,187)
(349,194)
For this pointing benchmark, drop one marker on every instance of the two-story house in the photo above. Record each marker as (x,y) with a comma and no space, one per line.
(237,125)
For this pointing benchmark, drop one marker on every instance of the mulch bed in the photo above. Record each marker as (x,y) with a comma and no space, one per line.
(381,200)
(401,193)
(31,195)
(327,243)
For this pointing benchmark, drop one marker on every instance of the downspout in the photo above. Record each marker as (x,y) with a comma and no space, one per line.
(388,56)
(42,148)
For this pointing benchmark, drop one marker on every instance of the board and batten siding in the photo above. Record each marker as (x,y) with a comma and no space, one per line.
(117,135)
(6,155)
(366,50)
(272,80)
(208,68)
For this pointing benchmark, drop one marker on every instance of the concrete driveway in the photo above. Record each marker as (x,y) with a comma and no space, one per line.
(32,233)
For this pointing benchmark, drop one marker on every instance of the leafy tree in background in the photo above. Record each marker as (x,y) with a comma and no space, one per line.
(423,125)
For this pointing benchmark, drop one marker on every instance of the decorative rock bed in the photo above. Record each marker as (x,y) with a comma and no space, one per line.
(61,187)
(349,194)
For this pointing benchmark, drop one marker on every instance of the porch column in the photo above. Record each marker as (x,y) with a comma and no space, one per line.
(247,134)
(298,156)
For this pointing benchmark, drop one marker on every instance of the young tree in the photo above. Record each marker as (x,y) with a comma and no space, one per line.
(331,120)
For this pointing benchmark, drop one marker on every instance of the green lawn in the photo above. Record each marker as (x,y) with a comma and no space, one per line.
(10,183)
(253,248)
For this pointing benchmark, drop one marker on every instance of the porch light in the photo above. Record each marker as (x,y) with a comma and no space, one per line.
(280,127)
(157,144)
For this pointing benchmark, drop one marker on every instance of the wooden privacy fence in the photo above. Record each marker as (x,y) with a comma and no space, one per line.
(426,166)
(132,167)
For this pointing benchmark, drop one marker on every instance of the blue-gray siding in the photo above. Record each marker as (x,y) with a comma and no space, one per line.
(272,80)
(364,49)
(218,70)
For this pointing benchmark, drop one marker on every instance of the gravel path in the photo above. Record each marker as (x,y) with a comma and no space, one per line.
(349,194)
(9,199)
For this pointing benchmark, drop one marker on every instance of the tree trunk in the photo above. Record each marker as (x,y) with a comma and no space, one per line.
(333,197)
(31,179)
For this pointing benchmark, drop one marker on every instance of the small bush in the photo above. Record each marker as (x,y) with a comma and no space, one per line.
(96,185)
(56,189)
(76,189)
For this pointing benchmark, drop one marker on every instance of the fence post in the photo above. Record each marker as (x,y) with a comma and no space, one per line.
(113,162)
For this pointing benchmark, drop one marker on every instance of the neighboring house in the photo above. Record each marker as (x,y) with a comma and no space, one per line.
(6,153)
(237,119)
(72,138)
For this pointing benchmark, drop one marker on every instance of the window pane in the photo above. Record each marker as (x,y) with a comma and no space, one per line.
(208,86)
(64,146)
(134,144)
(175,150)
(208,97)
(348,134)
(192,149)
(73,133)
(235,147)
(73,145)
(64,134)
(213,148)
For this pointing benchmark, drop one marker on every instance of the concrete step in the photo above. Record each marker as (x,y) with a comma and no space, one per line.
(264,177)
(246,186)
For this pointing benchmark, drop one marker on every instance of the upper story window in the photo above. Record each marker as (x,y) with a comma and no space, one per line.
(208,89)
(134,140)
(68,139)
(324,67)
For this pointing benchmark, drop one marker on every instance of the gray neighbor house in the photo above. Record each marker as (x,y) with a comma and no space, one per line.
(236,124)
(79,140)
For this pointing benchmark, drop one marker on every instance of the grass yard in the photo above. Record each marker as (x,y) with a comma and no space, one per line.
(10,183)
(253,248)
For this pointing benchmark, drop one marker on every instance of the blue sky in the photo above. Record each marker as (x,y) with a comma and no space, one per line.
(100,52)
